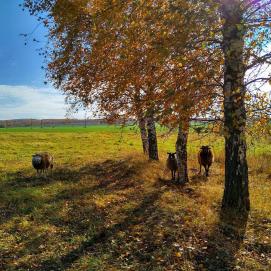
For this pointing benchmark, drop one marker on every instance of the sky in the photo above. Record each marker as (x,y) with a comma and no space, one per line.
(23,93)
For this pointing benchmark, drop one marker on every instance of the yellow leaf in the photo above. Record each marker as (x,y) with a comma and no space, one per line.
(178,254)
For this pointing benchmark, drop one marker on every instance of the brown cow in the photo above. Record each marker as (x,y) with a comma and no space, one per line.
(172,164)
(206,158)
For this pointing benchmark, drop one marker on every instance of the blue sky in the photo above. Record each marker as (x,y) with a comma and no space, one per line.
(22,90)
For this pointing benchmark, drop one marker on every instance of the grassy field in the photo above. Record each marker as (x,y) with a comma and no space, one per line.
(69,129)
(107,208)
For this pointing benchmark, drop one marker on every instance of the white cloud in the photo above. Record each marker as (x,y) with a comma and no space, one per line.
(17,102)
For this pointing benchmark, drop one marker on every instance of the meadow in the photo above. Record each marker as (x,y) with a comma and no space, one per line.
(106,207)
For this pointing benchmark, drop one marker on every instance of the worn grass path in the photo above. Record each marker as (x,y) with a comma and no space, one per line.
(107,208)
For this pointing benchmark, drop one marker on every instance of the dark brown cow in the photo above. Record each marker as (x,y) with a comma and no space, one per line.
(172,164)
(206,158)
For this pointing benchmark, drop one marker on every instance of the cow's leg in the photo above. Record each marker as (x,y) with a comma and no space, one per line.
(199,168)
(172,175)
(207,170)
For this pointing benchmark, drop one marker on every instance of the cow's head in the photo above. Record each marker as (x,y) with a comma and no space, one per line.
(205,148)
(171,155)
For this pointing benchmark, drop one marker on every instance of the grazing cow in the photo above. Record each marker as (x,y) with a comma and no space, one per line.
(206,158)
(42,161)
(172,164)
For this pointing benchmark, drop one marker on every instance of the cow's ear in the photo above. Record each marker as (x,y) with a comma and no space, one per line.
(174,153)
(168,153)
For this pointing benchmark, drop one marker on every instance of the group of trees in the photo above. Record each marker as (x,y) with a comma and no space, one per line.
(166,61)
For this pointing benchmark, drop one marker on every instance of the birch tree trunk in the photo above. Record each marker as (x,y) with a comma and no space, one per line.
(144,134)
(236,194)
(181,152)
(152,138)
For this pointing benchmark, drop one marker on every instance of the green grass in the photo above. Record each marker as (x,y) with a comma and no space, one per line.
(76,129)
(69,129)
(107,208)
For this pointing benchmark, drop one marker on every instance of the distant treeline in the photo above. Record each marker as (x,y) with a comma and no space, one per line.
(49,122)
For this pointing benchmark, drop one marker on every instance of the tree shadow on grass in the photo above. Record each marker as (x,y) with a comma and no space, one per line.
(109,169)
(223,243)
(109,174)
(182,188)
(134,217)
(198,178)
